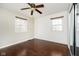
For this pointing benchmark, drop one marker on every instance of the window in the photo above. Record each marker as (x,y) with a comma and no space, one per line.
(20,25)
(57,24)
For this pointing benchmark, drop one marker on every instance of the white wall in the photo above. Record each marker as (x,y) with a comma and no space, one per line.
(77,26)
(8,36)
(43,29)
(77,38)
(37,28)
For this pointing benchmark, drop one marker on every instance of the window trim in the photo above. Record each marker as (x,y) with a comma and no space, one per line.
(56,17)
(20,18)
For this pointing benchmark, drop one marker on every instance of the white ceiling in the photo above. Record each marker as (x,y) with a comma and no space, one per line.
(49,8)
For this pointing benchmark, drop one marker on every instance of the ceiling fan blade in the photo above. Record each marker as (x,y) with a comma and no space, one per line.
(31,12)
(25,8)
(30,4)
(40,6)
(33,5)
(38,11)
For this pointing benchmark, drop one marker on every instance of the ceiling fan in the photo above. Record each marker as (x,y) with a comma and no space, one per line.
(34,7)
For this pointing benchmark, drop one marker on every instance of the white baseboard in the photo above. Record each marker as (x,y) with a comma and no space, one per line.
(15,43)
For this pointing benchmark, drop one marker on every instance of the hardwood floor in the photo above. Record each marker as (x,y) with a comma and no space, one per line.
(36,47)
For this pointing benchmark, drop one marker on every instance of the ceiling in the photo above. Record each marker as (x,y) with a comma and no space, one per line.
(49,8)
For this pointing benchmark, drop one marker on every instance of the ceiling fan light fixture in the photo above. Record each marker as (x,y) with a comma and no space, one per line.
(34,7)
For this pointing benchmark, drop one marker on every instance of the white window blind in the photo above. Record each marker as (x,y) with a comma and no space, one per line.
(57,24)
(20,25)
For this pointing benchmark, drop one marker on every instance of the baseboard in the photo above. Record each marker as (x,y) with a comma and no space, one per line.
(51,41)
(15,43)
(30,39)
(36,47)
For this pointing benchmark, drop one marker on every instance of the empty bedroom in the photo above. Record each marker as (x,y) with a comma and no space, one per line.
(39,29)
